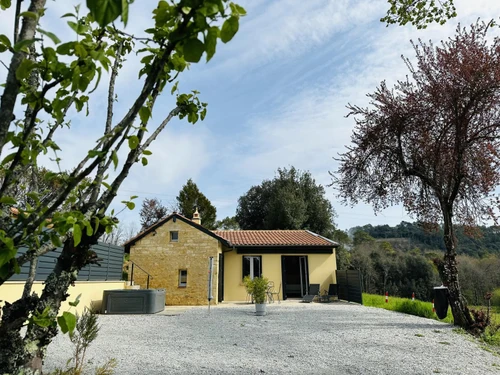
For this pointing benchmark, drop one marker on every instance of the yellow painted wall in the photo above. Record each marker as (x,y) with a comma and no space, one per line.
(91,293)
(163,259)
(321,271)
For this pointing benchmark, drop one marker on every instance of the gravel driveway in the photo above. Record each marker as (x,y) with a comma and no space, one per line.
(294,338)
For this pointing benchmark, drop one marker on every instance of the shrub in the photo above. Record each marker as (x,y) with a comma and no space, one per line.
(495,299)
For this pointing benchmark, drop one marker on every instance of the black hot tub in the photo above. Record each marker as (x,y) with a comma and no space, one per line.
(133,301)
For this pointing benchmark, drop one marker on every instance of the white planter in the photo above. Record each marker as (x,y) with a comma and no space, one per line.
(260,309)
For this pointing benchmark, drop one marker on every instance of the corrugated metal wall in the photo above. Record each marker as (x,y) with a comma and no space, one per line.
(110,268)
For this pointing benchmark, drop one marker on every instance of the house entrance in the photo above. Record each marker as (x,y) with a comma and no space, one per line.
(295,274)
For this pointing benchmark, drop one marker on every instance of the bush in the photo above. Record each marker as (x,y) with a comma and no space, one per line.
(495,299)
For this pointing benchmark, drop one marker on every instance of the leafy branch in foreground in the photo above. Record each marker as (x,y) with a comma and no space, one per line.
(47,80)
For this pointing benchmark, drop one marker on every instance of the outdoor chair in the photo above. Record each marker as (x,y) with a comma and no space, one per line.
(313,292)
(332,291)
(271,293)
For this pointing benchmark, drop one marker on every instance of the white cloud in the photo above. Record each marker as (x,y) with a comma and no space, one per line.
(309,128)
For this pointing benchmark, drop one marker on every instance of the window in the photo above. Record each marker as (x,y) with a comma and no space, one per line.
(174,236)
(252,266)
(183,277)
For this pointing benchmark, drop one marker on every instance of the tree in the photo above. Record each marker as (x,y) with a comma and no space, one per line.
(46,81)
(360,236)
(120,234)
(152,211)
(190,198)
(292,200)
(228,223)
(342,254)
(419,12)
(432,144)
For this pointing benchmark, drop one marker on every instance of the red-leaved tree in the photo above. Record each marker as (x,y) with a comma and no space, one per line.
(432,144)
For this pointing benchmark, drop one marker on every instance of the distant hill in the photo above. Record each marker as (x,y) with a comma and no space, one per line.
(407,236)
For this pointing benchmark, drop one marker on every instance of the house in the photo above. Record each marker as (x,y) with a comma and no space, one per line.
(176,252)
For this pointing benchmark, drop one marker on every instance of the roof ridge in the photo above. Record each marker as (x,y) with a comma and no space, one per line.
(261,230)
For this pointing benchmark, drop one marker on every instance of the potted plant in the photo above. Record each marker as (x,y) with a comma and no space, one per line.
(248,282)
(260,285)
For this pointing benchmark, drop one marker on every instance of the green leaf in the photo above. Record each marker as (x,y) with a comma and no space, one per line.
(144,161)
(193,49)
(43,321)
(23,45)
(238,9)
(114,157)
(7,200)
(211,41)
(16,267)
(130,205)
(5,40)
(144,114)
(9,158)
(133,142)
(65,48)
(29,15)
(89,230)
(80,50)
(229,29)
(52,36)
(54,238)
(76,301)
(125,12)
(174,87)
(77,234)
(67,322)
(147,152)
(186,10)
(68,15)
(8,252)
(106,11)
(24,70)
(5,4)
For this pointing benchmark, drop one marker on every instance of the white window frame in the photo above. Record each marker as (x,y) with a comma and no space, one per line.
(252,270)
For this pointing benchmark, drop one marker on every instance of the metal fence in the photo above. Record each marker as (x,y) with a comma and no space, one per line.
(109,268)
(349,286)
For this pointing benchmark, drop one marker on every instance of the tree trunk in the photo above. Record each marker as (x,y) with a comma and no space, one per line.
(14,316)
(26,355)
(461,314)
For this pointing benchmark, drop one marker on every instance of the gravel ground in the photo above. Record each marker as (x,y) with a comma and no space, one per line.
(294,338)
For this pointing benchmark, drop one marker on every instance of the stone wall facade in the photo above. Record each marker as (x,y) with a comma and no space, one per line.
(164,259)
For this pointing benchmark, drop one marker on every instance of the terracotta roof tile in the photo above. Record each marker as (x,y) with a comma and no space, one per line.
(274,238)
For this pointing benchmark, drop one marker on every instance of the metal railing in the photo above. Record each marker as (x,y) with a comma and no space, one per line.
(143,270)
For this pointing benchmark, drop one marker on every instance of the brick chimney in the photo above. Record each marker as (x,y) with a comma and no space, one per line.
(196,217)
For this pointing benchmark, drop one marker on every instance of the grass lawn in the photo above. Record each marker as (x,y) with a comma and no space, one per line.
(424,309)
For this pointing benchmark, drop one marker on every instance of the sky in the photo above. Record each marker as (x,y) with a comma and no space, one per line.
(276,94)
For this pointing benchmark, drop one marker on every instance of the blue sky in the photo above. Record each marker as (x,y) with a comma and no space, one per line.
(276,97)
